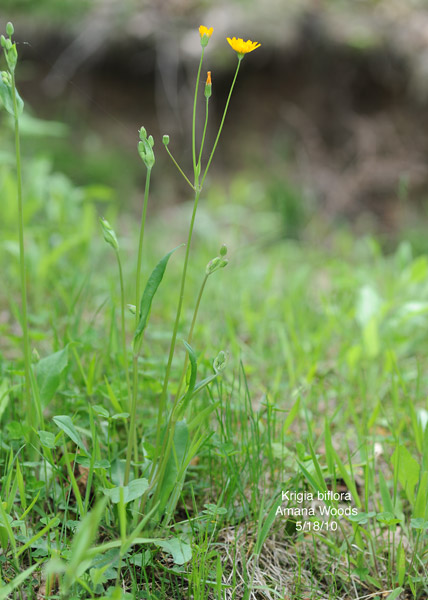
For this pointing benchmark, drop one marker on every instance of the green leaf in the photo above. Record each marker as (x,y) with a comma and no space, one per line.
(66,424)
(47,439)
(7,98)
(420,524)
(82,540)
(6,591)
(49,371)
(181,551)
(192,381)
(266,527)
(150,290)
(408,471)
(291,416)
(134,490)
(421,507)
(395,594)
(175,461)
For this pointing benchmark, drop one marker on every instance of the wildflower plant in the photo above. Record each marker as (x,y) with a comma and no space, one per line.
(14,106)
(172,448)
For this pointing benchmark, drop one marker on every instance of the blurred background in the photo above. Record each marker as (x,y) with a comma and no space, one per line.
(329,118)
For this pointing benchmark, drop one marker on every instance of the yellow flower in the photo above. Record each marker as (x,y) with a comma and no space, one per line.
(242,47)
(205,31)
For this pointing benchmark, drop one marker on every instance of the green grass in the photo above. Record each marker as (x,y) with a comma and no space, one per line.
(305,373)
(325,384)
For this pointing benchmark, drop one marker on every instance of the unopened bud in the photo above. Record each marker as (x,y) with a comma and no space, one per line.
(3,41)
(10,29)
(145,148)
(109,234)
(223,250)
(212,265)
(12,55)
(208,86)
(35,356)
(165,140)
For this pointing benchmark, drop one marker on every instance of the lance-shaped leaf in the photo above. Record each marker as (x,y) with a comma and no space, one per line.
(150,290)
(192,381)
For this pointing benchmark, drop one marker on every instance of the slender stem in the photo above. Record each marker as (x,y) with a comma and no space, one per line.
(24,316)
(222,123)
(190,336)
(162,401)
(179,168)
(122,308)
(140,248)
(194,113)
(169,435)
(132,440)
(205,130)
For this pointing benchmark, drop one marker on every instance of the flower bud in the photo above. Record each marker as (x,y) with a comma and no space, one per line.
(109,234)
(145,148)
(223,250)
(165,140)
(10,29)
(213,265)
(11,55)
(3,41)
(208,86)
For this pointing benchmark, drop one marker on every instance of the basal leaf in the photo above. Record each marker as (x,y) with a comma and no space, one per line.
(181,551)
(48,374)
(66,424)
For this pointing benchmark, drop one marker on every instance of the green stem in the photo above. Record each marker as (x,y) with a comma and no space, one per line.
(132,439)
(122,309)
(140,248)
(190,336)
(222,123)
(179,168)
(205,131)
(162,401)
(24,317)
(166,447)
(194,113)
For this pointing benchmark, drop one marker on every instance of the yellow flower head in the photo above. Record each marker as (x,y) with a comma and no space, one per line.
(242,47)
(205,34)
(205,31)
